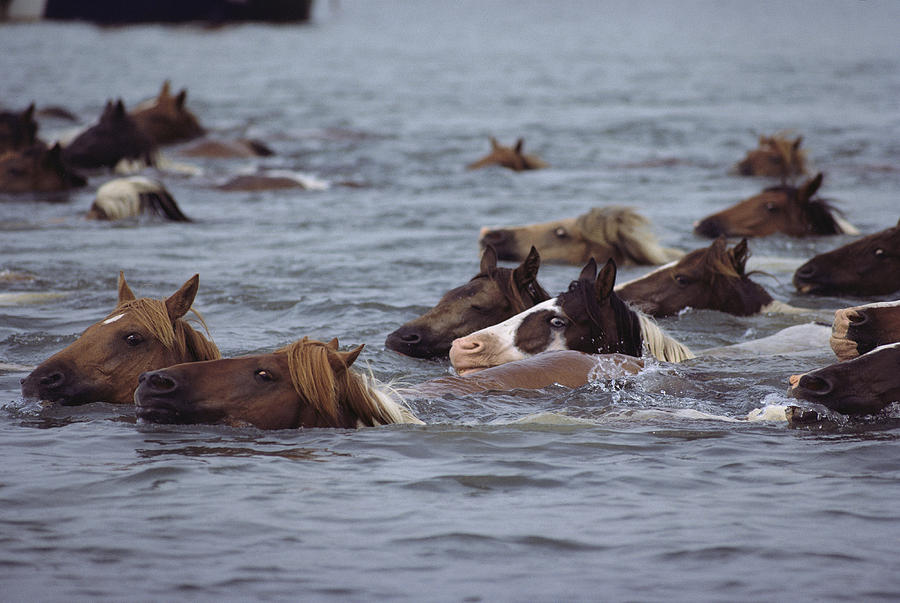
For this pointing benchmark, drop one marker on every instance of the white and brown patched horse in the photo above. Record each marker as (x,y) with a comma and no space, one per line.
(134,196)
(589,317)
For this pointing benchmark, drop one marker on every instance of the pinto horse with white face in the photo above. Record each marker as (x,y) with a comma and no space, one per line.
(589,318)
(492,295)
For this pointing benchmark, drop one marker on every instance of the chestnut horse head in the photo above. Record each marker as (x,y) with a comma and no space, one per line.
(712,278)
(866,267)
(493,295)
(776,156)
(509,157)
(613,232)
(17,130)
(104,363)
(794,211)
(589,317)
(114,137)
(306,384)
(37,169)
(861,329)
(165,119)
(134,196)
(861,386)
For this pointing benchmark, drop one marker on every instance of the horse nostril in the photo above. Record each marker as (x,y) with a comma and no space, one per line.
(493,237)
(806,271)
(858,318)
(159,382)
(709,227)
(817,386)
(410,338)
(52,380)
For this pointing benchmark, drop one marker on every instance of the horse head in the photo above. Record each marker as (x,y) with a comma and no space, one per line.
(861,329)
(104,363)
(776,156)
(114,137)
(17,130)
(37,169)
(492,295)
(712,278)
(508,157)
(165,119)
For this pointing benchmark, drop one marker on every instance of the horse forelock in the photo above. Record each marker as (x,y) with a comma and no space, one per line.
(179,337)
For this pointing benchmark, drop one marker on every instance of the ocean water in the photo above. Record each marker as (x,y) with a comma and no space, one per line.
(609,492)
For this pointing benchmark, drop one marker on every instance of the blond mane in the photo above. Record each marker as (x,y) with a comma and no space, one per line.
(659,344)
(180,337)
(322,377)
(628,231)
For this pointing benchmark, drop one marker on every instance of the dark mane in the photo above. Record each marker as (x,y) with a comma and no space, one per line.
(628,338)
(731,283)
(818,213)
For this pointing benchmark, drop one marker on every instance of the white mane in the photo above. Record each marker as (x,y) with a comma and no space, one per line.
(659,344)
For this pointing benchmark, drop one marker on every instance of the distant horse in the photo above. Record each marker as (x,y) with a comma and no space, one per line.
(589,318)
(116,136)
(860,386)
(866,267)
(604,232)
(165,119)
(17,130)
(509,157)
(227,149)
(776,157)
(492,295)
(712,278)
(276,180)
(104,363)
(134,196)
(861,329)
(37,169)
(793,211)
(312,384)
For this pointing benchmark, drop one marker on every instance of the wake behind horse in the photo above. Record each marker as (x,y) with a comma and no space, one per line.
(104,363)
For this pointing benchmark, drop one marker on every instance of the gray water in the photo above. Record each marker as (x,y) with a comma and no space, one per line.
(608,492)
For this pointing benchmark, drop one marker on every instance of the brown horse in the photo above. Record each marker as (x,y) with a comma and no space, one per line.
(866,267)
(509,157)
(274,180)
(861,329)
(165,119)
(793,211)
(312,384)
(114,137)
(104,363)
(589,318)
(604,232)
(492,295)
(712,278)
(37,169)
(776,157)
(861,386)
(17,130)
(134,196)
(227,149)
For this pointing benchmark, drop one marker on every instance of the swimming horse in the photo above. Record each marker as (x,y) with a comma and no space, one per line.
(777,156)
(860,329)
(866,267)
(492,295)
(589,317)
(134,196)
(115,136)
(104,363)
(793,211)
(509,157)
(605,232)
(712,278)
(18,130)
(166,119)
(37,169)
(312,384)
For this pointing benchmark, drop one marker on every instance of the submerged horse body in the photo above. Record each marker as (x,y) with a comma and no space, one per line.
(793,211)
(104,363)
(613,232)
(866,267)
(492,295)
(134,196)
(509,157)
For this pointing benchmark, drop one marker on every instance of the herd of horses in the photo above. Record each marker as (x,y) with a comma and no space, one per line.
(501,330)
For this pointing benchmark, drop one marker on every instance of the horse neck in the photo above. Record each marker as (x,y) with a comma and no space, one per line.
(661,345)
(192,346)
(739,295)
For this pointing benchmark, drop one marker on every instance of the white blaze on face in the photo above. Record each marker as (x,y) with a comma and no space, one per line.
(113,319)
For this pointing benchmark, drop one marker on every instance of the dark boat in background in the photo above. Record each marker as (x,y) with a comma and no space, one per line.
(115,12)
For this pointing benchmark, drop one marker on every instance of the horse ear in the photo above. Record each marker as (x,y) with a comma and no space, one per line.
(179,100)
(606,280)
(164,91)
(333,344)
(519,144)
(28,114)
(488,260)
(719,245)
(739,254)
(125,293)
(527,271)
(119,109)
(180,302)
(494,144)
(340,361)
(796,146)
(810,187)
(589,272)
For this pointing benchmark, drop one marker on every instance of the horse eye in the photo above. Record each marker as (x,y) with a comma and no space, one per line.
(133,339)
(558,323)
(264,375)
(561,232)
(879,252)
(771,207)
(682,280)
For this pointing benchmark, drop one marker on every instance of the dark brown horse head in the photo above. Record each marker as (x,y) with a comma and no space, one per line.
(37,169)
(508,157)
(114,137)
(868,266)
(17,130)
(793,211)
(862,386)
(491,296)
(104,363)
(165,119)
(603,232)
(776,156)
(713,278)
(306,384)
(861,329)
